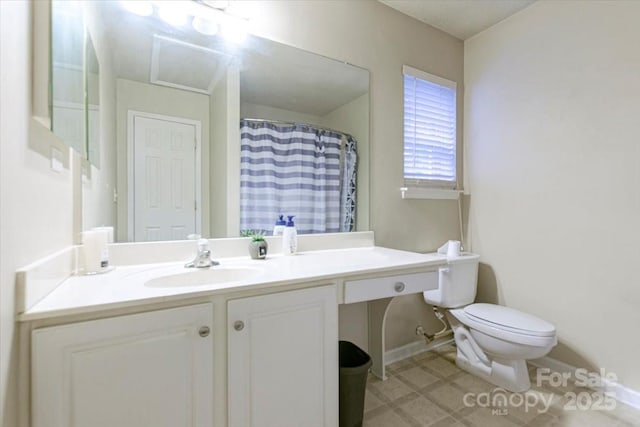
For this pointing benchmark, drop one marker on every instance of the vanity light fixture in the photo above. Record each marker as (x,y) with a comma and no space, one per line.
(209,16)
(172,12)
(234,30)
(141,7)
(204,26)
(233,27)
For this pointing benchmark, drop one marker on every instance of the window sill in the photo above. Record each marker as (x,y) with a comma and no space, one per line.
(429,193)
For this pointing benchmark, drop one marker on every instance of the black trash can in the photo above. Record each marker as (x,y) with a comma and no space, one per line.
(354,366)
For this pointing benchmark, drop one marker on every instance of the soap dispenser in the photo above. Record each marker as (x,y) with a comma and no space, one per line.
(278,229)
(290,237)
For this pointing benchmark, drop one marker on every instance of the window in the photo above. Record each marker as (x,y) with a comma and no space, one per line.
(429,130)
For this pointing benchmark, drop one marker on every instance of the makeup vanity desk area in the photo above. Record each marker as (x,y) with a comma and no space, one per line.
(221,348)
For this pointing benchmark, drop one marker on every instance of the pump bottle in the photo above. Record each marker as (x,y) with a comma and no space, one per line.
(290,237)
(278,229)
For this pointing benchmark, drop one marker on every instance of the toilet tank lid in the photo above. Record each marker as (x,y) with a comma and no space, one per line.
(509,318)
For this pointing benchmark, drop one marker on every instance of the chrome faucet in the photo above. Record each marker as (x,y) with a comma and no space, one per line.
(203,257)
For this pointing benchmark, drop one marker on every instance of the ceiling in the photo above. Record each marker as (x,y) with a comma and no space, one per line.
(460,18)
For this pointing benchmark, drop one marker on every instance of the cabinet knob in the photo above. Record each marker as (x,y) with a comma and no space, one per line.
(398,287)
(238,325)
(204,331)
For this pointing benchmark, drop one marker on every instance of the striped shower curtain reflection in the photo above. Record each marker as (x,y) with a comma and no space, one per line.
(296,169)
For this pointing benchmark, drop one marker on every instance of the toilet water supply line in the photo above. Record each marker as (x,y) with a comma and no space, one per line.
(446,330)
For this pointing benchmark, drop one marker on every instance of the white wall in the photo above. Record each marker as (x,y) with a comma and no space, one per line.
(257,111)
(552,134)
(371,35)
(36,206)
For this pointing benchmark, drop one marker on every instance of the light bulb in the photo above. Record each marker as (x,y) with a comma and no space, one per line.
(234,30)
(204,26)
(139,7)
(172,12)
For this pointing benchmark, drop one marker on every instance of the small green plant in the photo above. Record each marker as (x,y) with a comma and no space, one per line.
(255,235)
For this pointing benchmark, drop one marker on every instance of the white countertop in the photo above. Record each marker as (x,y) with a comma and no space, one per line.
(125,286)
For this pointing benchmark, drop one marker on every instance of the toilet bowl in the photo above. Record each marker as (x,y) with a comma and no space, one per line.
(493,341)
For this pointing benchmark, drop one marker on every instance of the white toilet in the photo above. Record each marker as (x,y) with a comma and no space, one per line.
(493,341)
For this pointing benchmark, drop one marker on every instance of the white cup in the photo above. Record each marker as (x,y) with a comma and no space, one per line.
(96,253)
(453,248)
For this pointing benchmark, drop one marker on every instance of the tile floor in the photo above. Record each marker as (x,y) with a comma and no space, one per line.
(429,390)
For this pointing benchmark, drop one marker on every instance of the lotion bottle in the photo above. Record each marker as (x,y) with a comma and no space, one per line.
(278,229)
(290,237)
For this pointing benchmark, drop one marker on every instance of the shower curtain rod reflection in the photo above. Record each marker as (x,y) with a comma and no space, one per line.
(281,122)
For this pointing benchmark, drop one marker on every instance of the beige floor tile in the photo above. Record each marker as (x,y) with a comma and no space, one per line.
(401,365)
(418,377)
(441,367)
(544,420)
(449,397)
(423,411)
(447,422)
(586,419)
(534,404)
(626,414)
(472,383)
(376,412)
(448,352)
(391,389)
(425,355)
(428,390)
(485,417)
(385,419)
(371,401)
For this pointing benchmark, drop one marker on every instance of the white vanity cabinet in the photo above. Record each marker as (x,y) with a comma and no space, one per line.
(283,359)
(150,369)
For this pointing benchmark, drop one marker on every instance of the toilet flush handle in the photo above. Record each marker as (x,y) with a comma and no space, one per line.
(398,287)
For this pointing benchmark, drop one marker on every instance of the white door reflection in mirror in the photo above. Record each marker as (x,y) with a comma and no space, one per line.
(165,205)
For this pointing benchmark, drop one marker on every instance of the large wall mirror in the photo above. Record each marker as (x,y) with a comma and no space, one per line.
(67,96)
(199,130)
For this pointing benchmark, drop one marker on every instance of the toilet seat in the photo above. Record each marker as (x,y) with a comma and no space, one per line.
(510,319)
(507,324)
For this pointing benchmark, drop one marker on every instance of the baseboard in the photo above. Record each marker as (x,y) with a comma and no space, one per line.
(411,349)
(618,391)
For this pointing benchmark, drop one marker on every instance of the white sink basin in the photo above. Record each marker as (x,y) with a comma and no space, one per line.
(204,277)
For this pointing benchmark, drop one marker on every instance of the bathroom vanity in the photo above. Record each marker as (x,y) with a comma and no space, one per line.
(253,343)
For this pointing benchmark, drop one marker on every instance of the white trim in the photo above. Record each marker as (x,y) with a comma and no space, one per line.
(67,66)
(411,349)
(428,77)
(618,391)
(131,115)
(69,105)
(429,193)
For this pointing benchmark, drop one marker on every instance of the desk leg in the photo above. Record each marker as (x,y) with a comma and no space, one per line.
(377,312)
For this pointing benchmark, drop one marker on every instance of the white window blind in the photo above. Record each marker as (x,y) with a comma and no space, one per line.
(429,129)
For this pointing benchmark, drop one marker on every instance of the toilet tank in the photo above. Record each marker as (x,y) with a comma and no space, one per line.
(457,282)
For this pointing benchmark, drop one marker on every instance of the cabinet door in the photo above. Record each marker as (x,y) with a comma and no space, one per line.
(283,359)
(145,370)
